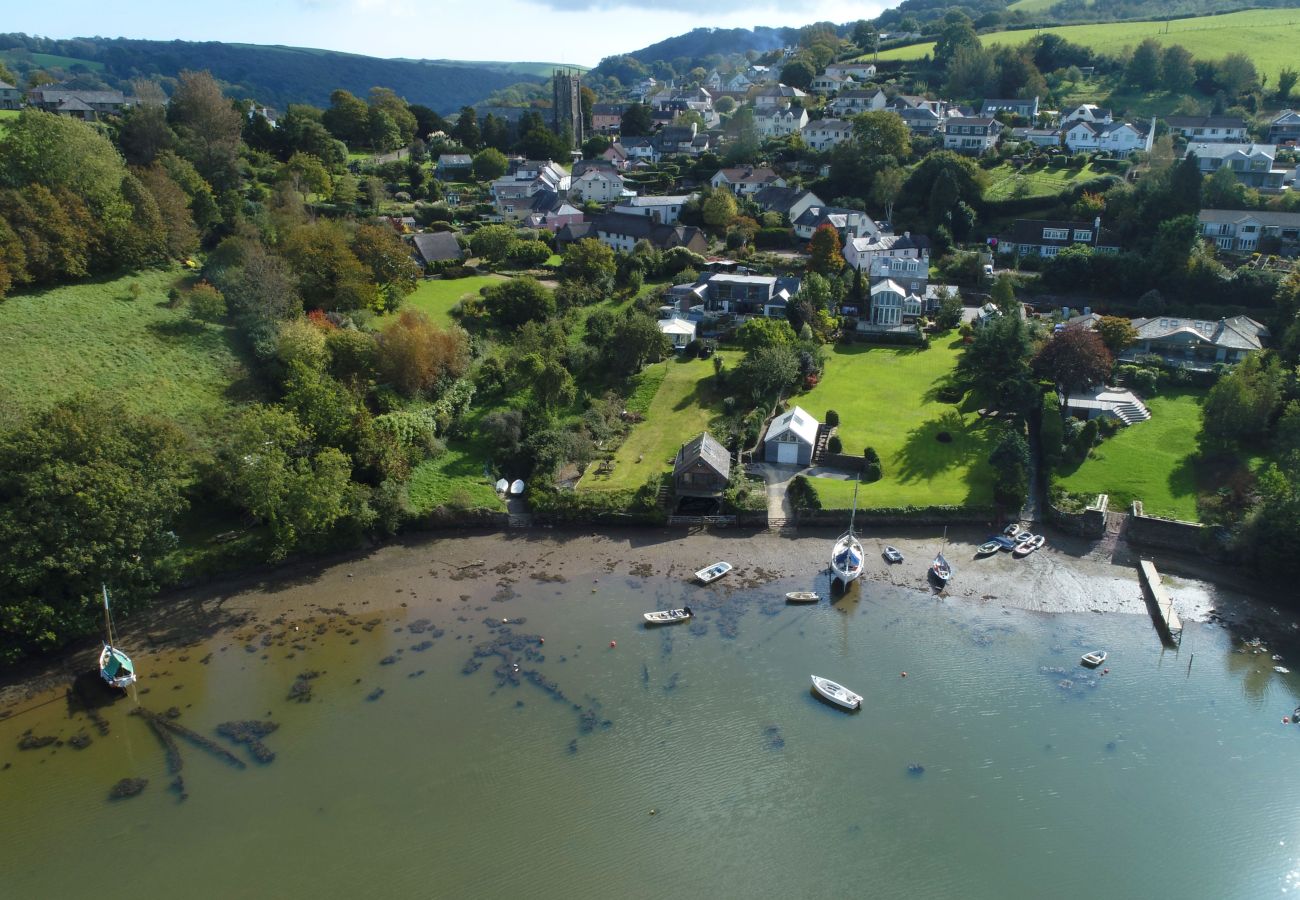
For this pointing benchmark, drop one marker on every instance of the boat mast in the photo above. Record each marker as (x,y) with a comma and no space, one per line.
(108,619)
(854,513)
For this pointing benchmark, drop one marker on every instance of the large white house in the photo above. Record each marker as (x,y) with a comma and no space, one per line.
(1241,231)
(599,185)
(778,122)
(1209,129)
(662,209)
(1251,163)
(975,136)
(850,103)
(861,252)
(746,180)
(1113,137)
(823,134)
(862,71)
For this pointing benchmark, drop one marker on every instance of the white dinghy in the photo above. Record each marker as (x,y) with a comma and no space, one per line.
(836,693)
(668,616)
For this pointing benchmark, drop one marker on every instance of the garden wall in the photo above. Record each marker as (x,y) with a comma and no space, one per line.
(844,461)
(1090,523)
(910,515)
(1167,534)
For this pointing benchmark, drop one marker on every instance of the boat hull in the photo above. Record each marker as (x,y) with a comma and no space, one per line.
(846,560)
(835,693)
(712,573)
(115,668)
(802,597)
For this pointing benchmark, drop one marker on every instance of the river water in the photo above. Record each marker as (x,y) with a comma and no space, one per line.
(687,761)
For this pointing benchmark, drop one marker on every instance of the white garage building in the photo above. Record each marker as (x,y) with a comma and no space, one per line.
(790,438)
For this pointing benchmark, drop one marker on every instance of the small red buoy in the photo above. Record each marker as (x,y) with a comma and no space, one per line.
(903,675)
(1105,671)
(541,640)
(613,643)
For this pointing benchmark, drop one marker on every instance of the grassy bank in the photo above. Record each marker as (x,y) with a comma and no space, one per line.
(119,337)
(1006,182)
(887,399)
(436,297)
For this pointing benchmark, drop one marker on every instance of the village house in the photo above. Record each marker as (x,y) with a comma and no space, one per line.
(789,202)
(823,134)
(862,71)
(616,155)
(848,223)
(10,96)
(830,84)
(791,438)
(550,212)
(1039,137)
(777,96)
(1251,163)
(1285,128)
(739,83)
(736,294)
(1114,137)
(1026,109)
(683,139)
(910,273)
(859,253)
(892,307)
(680,332)
(645,149)
(852,102)
(975,136)
(607,117)
(778,122)
(1248,231)
(746,180)
(1046,237)
(702,468)
(1209,129)
(660,209)
(453,166)
(436,247)
(922,121)
(90,106)
(598,184)
(620,231)
(1087,112)
(1197,344)
(713,81)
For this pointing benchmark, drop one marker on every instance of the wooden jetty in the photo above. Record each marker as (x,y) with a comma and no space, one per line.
(1160,604)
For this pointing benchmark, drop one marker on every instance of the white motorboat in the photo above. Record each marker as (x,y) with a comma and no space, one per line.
(713,572)
(847,555)
(1012,530)
(892,554)
(668,616)
(803,596)
(1093,659)
(836,693)
(1024,548)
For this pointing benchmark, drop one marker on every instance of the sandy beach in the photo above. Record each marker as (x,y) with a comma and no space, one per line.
(1070,575)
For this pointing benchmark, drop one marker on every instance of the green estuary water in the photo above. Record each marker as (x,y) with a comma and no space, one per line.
(687,761)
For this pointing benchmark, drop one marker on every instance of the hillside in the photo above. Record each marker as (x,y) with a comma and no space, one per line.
(1268,36)
(273,75)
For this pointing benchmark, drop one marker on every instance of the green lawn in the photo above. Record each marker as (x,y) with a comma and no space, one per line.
(886,398)
(456,478)
(6,116)
(1004,181)
(1268,36)
(51,61)
(95,336)
(436,297)
(683,405)
(1151,461)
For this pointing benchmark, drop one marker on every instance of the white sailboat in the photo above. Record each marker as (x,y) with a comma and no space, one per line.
(940,569)
(846,555)
(115,667)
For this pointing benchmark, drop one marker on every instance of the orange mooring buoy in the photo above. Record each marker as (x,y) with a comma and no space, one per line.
(613,643)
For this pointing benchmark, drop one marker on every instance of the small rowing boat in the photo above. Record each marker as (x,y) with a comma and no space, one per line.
(668,616)
(836,693)
(987,548)
(1094,659)
(803,596)
(713,572)
(1024,548)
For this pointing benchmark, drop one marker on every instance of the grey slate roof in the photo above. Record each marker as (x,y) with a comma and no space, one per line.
(439,246)
(1237,333)
(703,448)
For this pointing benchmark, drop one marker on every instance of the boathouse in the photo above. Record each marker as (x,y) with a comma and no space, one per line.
(702,468)
(790,438)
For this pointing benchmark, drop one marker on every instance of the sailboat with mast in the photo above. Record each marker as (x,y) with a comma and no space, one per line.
(115,667)
(940,568)
(846,555)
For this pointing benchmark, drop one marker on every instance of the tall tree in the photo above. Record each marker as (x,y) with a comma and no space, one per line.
(1074,358)
(392,268)
(882,134)
(209,128)
(466,131)
(637,121)
(824,256)
(1143,70)
(1177,73)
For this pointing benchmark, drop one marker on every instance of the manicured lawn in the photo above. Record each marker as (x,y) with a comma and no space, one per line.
(457,477)
(1046,182)
(95,336)
(1151,461)
(436,296)
(1268,36)
(886,398)
(684,404)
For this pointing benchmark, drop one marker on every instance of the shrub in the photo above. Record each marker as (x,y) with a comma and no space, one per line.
(1107,426)
(1143,381)
(872,470)
(832,418)
(801,494)
(694,348)
(1051,431)
(835,445)
(1087,438)
(206,303)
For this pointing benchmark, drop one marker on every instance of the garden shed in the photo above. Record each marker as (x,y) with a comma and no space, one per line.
(790,438)
(702,468)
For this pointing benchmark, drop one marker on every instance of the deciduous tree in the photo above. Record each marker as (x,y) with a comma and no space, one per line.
(1074,358)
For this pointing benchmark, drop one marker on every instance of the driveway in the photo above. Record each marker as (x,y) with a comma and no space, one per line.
(777,477)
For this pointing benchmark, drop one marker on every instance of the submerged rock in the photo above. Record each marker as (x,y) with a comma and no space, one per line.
(250,732)
(36,742)
(128,787)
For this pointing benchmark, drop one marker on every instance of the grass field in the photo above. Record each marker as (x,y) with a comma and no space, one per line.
(1005,180)
(436,297)
(886,398)
(682,406)
(1151,461)
(50,61)
(1032,6)
(1268,36)
(456,478)
(95,337)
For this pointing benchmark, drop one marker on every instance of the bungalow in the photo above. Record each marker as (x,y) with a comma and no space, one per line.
(862,71)
(607,117)
(453,166)
(680,331)
(1114,137)
(1196,344)
(437,247)
(1247,231)
(702,468)
(778,96)
(1210,129)
(1046,237)
(619,231)
(746,180)
(661,209)
(1285,128)
(976,136)
(861,252)
(1251,163)
(599,185)
(789,202)
(10,96)
(778,122)
(823,134)
(1026,109)
(790,438)
(1039,137)
(852,102)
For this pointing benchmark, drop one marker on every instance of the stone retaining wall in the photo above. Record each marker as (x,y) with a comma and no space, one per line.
(921,515)
(1091,523)
(1168,534)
